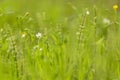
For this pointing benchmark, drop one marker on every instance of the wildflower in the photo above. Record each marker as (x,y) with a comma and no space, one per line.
(41,49)
(106,21)
(39,35)
(87,12)
(24,34)
(115,7)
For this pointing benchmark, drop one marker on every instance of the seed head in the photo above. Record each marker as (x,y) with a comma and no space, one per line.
(27,14)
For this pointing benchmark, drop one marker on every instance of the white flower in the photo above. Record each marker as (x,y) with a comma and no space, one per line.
(41,49)
(39,35)
(24,34)
(106,21)
(87,12)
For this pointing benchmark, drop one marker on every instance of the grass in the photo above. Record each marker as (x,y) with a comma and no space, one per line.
(72,40)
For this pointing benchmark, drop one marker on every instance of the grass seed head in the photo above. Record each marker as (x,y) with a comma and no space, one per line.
(27,14)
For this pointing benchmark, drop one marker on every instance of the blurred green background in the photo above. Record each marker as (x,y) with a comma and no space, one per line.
(54,9)
(65,56)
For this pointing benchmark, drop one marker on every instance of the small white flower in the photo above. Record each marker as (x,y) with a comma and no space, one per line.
(41,49)
(39,35)
(106,21)
(87,12)
(23,35)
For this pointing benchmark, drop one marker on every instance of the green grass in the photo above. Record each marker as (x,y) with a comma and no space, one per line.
(59,40)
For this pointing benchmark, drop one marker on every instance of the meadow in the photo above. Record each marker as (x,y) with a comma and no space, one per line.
(59,40)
